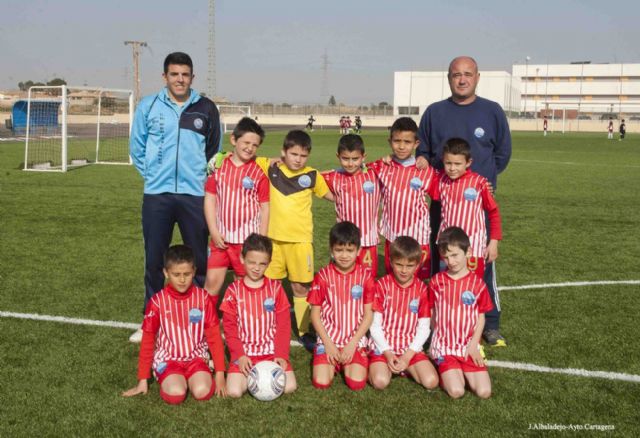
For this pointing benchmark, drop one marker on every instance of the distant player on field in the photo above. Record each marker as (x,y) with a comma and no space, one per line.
(341,297)
(256,319)
(356,190)
(610,129)
(623,130)
(358,125)
(236,203)
(310,121)
(545,123)
(459,300)
(180,322)
(401,319)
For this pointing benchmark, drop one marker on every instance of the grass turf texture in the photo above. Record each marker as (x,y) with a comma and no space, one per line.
(72,246)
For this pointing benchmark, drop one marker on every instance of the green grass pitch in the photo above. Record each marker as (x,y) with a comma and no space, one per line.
(72,246)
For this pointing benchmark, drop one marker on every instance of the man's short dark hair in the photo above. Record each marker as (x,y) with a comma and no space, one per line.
(457,146)
(403,124)
(245,125)
(177,254)
(344,233)
(453,236)
(259,243)
(177,58)
(351,143)
(297,137)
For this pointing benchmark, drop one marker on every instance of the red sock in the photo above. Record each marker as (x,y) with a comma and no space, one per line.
(355,385)
(209,395)
(172,399)
(320,385)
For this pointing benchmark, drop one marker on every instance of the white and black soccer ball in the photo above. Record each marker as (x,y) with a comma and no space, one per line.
(266,381)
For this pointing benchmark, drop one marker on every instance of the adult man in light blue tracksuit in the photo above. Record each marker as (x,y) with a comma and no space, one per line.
(174,135)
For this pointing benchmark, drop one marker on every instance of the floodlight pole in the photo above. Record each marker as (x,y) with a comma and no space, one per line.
(526,80)
(135,46)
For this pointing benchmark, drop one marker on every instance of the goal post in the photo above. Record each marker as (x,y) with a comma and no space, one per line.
(68,127)
(231,114)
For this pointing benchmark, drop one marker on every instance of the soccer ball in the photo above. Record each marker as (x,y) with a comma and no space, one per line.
(266,381)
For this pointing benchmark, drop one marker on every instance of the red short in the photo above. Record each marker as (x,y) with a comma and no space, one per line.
(368,256)
(475,264)
(233,366)
(224,258)
(418,357)
(359,358)
(447,363)
(424,271)
(182,368)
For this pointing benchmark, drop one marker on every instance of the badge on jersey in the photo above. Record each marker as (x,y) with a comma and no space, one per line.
(304,181)
(269,304)
(197,123)
(161,367)
(368,187)
(413,305)
(479,132)
(320,349)
(356,292)
(468,298)
(470,194)
(248,183)
(377,352)
(415,183)
(439,360)
(195,315)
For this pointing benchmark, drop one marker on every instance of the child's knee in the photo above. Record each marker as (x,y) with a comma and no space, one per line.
(484,392)
(430,381)
(202,392)
(379,381)
(173,397)
(455,391)
(355,385)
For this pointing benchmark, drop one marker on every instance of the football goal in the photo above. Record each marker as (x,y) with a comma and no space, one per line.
(231,114)
(68,127)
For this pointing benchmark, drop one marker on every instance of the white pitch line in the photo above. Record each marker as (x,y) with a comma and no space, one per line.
(495,363)
(569,371)
(569,284)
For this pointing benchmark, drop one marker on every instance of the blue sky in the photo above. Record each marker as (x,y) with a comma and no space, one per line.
(272,51)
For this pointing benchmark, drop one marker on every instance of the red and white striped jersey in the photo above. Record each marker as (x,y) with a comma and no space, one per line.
(342,298)
(405,211)
(401,307)
(179,321)
(357,200)
(456,305)
(254,311)
(464,202)
(239,192)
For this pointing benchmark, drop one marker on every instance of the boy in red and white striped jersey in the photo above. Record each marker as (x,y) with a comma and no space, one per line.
(405,211)
(341,296)
(256,319)
(236,203)
(356,192)
(401,318)
(466,197)
(179,323)
(459,300)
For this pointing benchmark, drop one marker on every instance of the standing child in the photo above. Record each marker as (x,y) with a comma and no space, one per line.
(545,125)
(460,300)
(610,129)
(357,196)
(623,130)
(256,319)
(405,211)
(401,320)
(291,222)
(340,298)
(236,204)
(179,323)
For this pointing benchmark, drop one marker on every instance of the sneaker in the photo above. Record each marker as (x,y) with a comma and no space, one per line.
(493,338)
(136,337)
(308,341)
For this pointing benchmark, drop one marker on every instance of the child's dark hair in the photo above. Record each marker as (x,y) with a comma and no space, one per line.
(405,247)
(457,146)
(177,58)
(403,124)
(259,243)
(351,143)
(453,236)
(245,125)
(297,137)
(177,254)
(344,233)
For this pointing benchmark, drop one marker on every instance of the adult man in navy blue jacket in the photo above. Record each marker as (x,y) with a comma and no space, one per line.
(483,124)
(174,135)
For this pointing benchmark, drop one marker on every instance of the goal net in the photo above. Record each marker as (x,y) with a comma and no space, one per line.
(73,126)
(231,114)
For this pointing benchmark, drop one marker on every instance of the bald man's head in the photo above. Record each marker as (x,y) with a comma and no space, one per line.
(463,79)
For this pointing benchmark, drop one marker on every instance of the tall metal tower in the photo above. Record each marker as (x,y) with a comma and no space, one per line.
(211,79)
(324,91)
(135,46)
